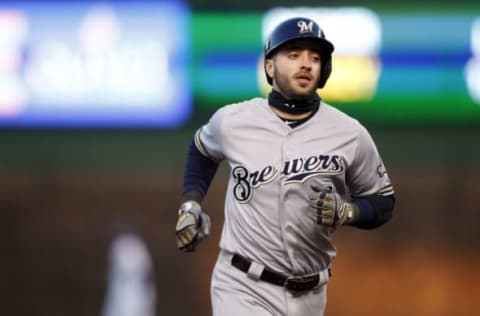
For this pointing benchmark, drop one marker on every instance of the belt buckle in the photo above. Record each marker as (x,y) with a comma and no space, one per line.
(302,283)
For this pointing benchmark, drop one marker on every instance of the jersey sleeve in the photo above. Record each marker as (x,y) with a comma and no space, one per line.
(208,138)
(367,174)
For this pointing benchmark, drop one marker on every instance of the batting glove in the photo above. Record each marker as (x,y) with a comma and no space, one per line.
(330,209)
(193,226)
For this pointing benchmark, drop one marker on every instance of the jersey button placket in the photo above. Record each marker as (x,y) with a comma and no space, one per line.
(287,230)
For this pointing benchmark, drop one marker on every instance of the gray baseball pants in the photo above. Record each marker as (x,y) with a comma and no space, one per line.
(234,293)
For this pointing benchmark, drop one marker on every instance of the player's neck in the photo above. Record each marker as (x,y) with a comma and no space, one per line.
(290,116)
(293,109)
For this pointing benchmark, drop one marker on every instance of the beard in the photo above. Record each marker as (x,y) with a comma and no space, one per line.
(287,89)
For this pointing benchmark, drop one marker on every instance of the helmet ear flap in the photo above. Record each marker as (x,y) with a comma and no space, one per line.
(269,78)
(326,70)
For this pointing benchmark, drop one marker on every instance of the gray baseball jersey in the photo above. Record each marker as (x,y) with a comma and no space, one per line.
(272,168)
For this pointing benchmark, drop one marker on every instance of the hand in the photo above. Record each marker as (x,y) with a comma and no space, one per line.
(329,208)
(192,227)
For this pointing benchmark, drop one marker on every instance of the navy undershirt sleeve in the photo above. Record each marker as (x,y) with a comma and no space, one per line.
(199,171)
(374,210)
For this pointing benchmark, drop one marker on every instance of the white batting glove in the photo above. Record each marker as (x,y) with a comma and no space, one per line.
(330,209)
(192,227)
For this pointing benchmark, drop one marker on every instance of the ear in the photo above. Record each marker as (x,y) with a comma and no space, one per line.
(269,67)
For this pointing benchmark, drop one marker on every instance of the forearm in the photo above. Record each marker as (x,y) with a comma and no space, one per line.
(372,211)
(199,172)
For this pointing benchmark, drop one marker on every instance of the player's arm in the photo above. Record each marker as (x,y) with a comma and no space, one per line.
(199,172)
(372,211)
(372,192)
(204,155)
(193,225)
(368,181)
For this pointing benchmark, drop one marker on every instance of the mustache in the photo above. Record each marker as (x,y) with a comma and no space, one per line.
(303,74)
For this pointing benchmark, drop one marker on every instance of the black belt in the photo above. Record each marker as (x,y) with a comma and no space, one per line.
(293,283)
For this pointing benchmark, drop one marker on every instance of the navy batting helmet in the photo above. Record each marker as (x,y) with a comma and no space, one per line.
(297,28)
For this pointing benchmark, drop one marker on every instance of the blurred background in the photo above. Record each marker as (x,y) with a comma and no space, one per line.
(99,102)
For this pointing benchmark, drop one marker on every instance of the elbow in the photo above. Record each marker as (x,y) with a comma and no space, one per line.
(383,217)
(383,213)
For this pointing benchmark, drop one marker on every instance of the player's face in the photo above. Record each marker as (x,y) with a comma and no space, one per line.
(295,69)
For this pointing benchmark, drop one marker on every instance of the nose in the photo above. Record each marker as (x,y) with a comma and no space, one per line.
(306,61)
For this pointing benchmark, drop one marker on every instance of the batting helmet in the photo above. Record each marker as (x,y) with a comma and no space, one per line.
(298,28)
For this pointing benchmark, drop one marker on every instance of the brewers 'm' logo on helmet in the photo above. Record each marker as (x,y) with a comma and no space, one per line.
(305,27)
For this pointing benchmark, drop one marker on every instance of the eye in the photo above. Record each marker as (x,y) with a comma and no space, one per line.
(292,55)
(316,58)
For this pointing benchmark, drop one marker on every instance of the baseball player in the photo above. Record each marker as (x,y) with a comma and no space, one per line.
(299,170)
